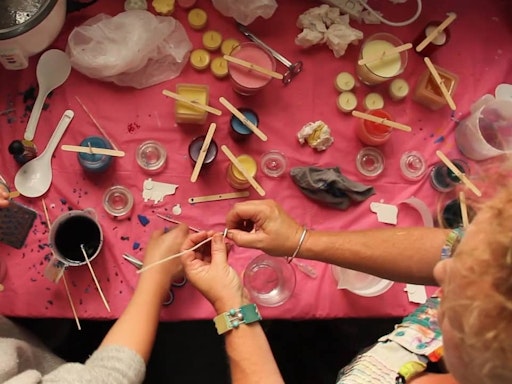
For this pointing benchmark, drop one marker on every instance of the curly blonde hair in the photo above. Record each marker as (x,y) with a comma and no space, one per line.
(478,300)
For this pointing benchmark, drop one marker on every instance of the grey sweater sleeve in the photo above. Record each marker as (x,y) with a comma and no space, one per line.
(110,364)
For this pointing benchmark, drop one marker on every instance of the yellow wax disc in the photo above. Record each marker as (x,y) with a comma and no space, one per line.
(373,101)
(228,45)
(248,163)
(398,89)
(200,59)
(219,67)
(344,82)
(347,102)
(212,40)
(197,18)
(163,7)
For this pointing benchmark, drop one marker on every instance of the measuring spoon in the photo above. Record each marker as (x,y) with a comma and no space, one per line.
(34,178)
(53,68)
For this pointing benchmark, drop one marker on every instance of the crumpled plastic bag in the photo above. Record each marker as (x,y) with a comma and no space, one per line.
(134,48)
(246,11)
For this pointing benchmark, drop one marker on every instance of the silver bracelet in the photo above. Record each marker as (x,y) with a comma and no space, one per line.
(301,240)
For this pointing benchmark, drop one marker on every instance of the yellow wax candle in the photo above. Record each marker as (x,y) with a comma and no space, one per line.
(197,18)
(212,40)
(186,113)
(373,101)
(347,102)
(163,7)
(344,82)
(219,67)
(398,89)
(228,45)
(387,66)
(200,59)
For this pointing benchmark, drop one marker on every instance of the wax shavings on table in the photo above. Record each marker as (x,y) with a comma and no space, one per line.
(317,135)
(143,220)
(325,24)
(156,191)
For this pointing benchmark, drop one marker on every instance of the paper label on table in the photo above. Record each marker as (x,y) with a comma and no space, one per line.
(386,213)
(156,191)
(416,293)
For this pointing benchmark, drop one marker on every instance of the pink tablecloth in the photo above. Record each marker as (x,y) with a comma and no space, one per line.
(479,52)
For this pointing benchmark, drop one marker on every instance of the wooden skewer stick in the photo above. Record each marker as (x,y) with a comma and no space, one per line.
(432,35)
(440,83)
(96,123)
(456,171)
(94,277)
(220,196)
(231,108)
(68,293)
(463,209)
(384,54)
(254,67)
(381,120)
(166,218)
(202,153)
(242,169)
(192,103)
(92,150)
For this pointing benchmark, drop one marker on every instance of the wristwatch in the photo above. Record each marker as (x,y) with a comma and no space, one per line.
(246,314)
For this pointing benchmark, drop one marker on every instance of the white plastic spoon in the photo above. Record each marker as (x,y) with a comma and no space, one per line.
(35,177)
(53,68)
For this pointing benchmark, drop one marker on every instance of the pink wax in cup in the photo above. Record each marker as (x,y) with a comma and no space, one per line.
(247,81)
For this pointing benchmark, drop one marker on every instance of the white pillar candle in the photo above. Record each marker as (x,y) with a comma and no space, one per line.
(398,89)
(373,101)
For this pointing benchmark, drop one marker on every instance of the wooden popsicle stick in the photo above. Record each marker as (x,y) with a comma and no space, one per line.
(456,171)
(387,52)
(231,108)
(94,277)
(242,169)
(440,83)
(203,152)
(220,196)
(92,150)
(96,123)
(192,103)
(463,209)
(254,67)
(432,35)
(381,120)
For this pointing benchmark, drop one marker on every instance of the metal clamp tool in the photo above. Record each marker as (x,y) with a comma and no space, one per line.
(293,68)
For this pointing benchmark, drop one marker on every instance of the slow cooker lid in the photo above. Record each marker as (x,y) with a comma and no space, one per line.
(20,16)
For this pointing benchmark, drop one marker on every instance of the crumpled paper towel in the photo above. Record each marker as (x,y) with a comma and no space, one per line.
(317,135)
(246,11)
(325,24)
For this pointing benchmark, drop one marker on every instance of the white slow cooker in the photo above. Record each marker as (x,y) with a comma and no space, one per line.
(28,27)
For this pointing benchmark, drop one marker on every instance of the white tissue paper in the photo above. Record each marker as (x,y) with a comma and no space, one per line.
(246,11)
(317,135)
(325,24)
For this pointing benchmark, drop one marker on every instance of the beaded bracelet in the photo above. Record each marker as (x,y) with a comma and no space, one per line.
(452,240)
(301,240)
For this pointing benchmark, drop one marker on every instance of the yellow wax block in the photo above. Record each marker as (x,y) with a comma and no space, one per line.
(212,40)
(227,46)
(200,59)
(186,113)
(197,18)
(219,67)
(248,163)
(344,82)
(163,7)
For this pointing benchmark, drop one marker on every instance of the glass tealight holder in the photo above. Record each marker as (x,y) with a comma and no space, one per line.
(118,202)
(370,162)
(151,156)
(273,163)
(444,179)
(413,165)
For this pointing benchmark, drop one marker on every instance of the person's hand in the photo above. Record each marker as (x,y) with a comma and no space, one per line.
(274,232)
(208,270)
(4,199)
(161,245)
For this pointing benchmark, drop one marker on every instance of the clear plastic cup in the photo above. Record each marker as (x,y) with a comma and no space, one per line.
(362,284)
